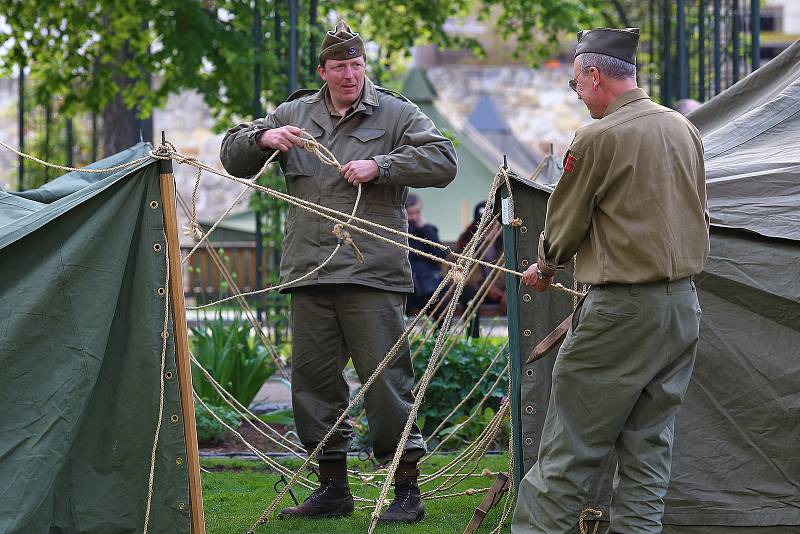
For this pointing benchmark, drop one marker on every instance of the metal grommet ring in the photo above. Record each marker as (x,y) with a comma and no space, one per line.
(181,506)
(161,291)
(526,297)
(528,409)
(174,418)
(523,229)
(157,247)
(529,372)
(154,204)
(178,461)
(526,332)
(524,263)
(168,375)
(528,441)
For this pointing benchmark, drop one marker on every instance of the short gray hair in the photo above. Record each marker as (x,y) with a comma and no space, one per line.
(609,66)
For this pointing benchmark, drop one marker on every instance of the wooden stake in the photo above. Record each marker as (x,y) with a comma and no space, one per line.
(491,498)
(167,182)
(550,340)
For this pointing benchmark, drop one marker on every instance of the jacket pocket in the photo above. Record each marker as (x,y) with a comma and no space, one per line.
(370,142)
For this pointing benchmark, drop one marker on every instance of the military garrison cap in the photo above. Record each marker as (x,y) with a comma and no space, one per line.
(620,44)
(341,43)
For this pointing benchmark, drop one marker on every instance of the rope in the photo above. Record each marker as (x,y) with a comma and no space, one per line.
(325,212)
(426,377)
(164,336)
(115,168)
(585,516)
(248,312)
(194,230)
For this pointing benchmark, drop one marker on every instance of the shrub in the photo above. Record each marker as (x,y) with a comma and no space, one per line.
(209,430)
(461,369)
(233,355)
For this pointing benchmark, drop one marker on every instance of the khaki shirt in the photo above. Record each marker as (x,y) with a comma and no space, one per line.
(388,129)
(631,202)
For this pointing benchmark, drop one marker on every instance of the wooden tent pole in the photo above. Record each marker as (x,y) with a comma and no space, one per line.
(167,182)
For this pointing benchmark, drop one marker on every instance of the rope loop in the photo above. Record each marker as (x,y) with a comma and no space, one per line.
(585,517)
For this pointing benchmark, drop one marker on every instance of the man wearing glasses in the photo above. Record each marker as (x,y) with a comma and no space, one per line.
(631,206)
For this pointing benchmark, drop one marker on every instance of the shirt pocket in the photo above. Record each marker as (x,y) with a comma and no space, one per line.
(367,142)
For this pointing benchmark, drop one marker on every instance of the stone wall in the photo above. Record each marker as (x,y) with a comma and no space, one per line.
(538,104)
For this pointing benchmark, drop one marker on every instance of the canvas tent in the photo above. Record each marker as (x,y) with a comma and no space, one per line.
(80,346)
(736,466)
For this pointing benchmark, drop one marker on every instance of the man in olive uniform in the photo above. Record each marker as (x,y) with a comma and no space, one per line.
(631,204)
(348,309)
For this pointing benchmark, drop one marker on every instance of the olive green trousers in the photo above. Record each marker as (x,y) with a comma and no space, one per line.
(618,381)
(332,324)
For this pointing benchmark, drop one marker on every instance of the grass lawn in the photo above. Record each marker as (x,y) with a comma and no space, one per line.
(236,492)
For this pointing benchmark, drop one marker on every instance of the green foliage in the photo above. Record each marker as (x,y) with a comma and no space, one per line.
(233,355)
(459,372)
(209,430)
(91,51)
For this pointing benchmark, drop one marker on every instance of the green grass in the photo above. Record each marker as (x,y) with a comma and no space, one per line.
(236,492)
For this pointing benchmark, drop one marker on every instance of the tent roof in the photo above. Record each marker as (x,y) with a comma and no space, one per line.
(752,150)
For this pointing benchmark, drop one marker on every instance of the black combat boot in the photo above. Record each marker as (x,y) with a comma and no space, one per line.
(331,499)
(407,504)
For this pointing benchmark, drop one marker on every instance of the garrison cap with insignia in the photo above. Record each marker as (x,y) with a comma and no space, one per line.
(342,43)
(620,44)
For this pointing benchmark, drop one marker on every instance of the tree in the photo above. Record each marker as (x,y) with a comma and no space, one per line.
(123,59)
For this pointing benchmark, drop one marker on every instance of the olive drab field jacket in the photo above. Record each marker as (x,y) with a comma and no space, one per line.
(387,128)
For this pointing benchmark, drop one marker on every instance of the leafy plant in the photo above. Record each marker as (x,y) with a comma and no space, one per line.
(233,355)
(461,369)
(209,430)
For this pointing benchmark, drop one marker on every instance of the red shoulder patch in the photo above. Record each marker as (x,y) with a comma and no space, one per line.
(569,163)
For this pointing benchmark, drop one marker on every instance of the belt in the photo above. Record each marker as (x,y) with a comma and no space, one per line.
(668,286)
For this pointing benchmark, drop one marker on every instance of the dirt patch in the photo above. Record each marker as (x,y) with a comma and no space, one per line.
(231,444)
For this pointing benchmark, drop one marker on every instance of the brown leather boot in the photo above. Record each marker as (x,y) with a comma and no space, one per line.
(331,499)
(407,505)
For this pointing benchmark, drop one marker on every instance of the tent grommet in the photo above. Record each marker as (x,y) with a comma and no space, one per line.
(154,204)
(526,332)
(526,297)
(157,247)
(174,418)
(168,375)
(161,291)
(523,229)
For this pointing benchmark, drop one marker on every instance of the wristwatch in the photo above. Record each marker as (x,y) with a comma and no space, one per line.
(541,275)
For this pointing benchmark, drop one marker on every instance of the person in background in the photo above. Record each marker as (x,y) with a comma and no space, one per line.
(496,293)
(426,273)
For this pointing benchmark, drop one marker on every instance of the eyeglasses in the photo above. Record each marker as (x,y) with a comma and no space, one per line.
(573,84)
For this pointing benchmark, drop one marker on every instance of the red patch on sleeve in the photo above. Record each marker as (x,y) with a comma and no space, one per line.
(569,163)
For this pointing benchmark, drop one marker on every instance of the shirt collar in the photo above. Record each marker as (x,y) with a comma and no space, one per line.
(625,99)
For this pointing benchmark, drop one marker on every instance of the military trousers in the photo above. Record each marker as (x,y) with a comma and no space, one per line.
(332,324)
(618,381)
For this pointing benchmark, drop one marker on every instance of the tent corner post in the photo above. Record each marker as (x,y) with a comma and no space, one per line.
(181,342)
(512,313)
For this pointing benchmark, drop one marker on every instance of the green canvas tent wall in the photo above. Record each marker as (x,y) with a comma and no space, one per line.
(736,467)
(80,348)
